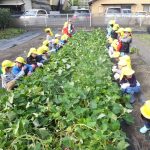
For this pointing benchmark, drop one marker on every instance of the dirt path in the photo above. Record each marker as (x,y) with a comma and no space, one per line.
(141,64)
(22,49)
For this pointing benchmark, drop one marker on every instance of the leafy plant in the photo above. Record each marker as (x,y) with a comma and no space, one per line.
(71,103)
(5,18)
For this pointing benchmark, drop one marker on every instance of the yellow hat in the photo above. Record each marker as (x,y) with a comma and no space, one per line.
(127,59)
(145,109)
(49,30)
(32,51)
(56,41)
(120,30)
(6,64)
(65,24)
(116,55)
(128,30)
(64,37)
(122,63)
(114,44)
(116,27)
(110,40)
(45,48)
(46,42)
(126,71)
(112,22)
(40,51)
(20,60)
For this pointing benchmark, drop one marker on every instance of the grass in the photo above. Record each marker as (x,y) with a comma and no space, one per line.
(10,33)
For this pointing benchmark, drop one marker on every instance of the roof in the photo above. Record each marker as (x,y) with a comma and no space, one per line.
(120,2)
(11,3)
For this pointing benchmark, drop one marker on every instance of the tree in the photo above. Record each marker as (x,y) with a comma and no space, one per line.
(5,17)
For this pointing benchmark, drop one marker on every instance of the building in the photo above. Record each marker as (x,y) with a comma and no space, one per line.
(99,6)
(83,3)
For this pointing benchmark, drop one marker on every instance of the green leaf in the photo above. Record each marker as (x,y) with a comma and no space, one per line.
(122,145)
(91,124)
(128,118)
(44,133)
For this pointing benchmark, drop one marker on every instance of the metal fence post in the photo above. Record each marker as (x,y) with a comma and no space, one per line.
(67,17)
(90,19)
(46,21)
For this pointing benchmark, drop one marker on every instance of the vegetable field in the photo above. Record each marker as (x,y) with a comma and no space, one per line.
(71,103)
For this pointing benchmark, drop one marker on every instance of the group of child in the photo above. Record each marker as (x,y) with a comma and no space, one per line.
(13,71)
(118,44)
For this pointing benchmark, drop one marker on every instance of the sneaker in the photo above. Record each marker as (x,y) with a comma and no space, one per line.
(144,129)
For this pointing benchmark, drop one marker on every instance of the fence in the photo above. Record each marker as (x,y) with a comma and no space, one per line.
(80,21)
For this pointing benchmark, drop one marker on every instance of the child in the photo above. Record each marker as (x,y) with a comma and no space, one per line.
(44,51)
(34,59)
(46,43)
(109,28)
(145,114)
(49,34)
(64,38)
(114,35)
(121,65)
(126,40)
(8,78)
(21,66)
(57,42)
(129,84)
(113,48)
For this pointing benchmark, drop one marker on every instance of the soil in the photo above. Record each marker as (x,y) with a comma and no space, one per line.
(22,49)
(141,64)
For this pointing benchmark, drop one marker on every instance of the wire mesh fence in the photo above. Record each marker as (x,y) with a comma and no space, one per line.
(84,20)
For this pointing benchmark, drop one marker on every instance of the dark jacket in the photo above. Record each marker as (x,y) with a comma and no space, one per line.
(126,41)
(132,81)
(114,35)
(37,59)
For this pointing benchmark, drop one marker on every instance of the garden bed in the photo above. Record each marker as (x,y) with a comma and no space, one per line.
(71,103)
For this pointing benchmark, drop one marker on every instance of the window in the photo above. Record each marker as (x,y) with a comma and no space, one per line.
(126,6)
(114,10)
(147,8)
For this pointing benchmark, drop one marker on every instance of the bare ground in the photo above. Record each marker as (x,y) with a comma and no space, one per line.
(141,65)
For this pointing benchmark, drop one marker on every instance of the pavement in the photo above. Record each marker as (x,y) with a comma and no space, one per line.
(8,43)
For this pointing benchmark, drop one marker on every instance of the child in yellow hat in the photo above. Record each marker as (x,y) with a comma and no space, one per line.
(8,78)
(145,114)
(114,33)
(109,27)
(21,67)
(126,41)
(34,58)
(49,34)
(129,84)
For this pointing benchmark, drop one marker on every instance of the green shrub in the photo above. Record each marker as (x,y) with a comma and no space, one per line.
(4,18)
